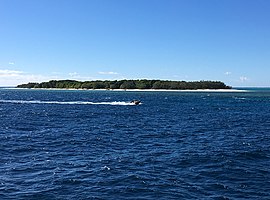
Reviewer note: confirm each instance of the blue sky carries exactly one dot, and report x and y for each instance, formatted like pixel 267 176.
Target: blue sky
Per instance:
pixel 226 40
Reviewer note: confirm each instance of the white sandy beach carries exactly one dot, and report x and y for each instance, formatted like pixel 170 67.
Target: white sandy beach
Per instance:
pixel 164 90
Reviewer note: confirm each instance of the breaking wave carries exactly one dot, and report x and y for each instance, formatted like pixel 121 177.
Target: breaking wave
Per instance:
pixel 114 103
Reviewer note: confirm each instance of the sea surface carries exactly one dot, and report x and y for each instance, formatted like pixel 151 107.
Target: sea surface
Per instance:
pixel 63 144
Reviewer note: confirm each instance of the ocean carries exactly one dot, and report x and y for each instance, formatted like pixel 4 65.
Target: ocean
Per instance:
pixel 74 144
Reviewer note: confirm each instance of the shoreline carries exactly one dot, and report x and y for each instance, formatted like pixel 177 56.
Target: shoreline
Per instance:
pixel 136 90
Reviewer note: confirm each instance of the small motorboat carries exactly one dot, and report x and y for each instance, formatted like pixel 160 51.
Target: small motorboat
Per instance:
pixel 136 102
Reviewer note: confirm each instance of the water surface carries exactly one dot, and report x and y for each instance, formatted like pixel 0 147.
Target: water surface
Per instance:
pixel 96 145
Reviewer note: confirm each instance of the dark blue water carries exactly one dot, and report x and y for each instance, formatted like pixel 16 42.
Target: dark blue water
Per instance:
pixel 94 145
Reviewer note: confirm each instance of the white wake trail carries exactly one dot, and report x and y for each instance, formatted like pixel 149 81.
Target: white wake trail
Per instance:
pixel 113 103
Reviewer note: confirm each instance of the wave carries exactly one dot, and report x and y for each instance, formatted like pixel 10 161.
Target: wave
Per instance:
pixel 240 98
pixel 114 103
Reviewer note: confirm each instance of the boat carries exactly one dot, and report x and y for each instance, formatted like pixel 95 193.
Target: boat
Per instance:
pixel 136 102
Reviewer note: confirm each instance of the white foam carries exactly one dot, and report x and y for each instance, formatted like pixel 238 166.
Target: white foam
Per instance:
pixel 114 103
pixel 241 98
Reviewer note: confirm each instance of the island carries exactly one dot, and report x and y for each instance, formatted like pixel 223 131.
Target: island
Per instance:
pixel 128 84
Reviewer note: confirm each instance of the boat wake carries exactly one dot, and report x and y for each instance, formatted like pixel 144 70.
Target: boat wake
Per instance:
pixel 113 103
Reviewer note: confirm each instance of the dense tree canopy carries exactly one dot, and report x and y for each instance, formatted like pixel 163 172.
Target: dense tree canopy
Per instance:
pixel 128 84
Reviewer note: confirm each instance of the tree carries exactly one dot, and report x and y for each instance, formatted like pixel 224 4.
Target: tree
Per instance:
pixel 128 85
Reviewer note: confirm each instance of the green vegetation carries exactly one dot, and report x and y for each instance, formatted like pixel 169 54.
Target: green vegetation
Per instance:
pixel 128 84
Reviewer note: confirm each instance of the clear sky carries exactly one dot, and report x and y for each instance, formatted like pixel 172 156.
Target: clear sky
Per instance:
pixel 226 40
